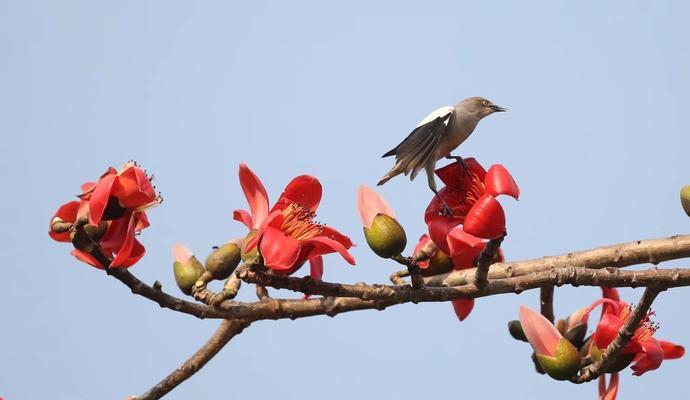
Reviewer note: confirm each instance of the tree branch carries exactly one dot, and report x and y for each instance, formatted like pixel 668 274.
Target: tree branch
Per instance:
pixel 621 255
pixel 626 333
pixel 226 331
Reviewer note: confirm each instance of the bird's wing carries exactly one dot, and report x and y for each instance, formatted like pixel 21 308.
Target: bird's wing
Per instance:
pixel 413 152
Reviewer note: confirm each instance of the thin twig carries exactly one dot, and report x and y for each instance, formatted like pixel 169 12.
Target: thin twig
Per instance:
pixel 626 333
pixel 412 268
pixel 486 258
pixel 226 331
pixel 546 302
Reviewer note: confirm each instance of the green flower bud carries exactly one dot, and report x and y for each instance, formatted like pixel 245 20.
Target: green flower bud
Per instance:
pixel 386 236
pixel 564 364
pixel 223 260
pixel 685 199
pixel 515 329
pixel 186 267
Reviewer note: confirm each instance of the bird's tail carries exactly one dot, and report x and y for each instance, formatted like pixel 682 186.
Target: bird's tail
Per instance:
pixel 391 174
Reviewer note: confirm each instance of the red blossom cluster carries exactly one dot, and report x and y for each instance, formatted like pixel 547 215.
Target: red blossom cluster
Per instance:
pixel 112 212
pixel 559 351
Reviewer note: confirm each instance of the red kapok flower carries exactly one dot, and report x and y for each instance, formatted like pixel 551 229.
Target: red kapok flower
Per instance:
pixel 646 352
pixel 122 196
pixel 471 195
pixel 288 236
pixel 115 192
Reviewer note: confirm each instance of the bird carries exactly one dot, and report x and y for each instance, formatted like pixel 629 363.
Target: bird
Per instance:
pixel 436 136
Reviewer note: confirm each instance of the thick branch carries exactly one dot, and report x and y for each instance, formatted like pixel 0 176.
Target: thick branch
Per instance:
pixel 226 331
pixel 622 255
pixel 626 333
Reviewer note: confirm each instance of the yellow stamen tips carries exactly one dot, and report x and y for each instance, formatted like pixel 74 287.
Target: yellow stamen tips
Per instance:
pixel 298 222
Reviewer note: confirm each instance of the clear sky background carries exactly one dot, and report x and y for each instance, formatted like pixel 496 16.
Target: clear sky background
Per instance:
pixel 596 136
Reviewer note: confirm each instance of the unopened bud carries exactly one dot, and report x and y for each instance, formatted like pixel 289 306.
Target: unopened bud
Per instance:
pixel 564 363
pixel 186 267
pixel 685 199
pixel 223 260
pixel 515 329
pixel 386 236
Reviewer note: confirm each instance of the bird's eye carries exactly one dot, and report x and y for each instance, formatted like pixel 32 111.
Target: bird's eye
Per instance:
pixel 485 102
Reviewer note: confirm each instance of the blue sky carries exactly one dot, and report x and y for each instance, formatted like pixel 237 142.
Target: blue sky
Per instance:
pixel 596 137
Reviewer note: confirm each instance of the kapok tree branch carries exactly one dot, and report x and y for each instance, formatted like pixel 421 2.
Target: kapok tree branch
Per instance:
pixel 626 333
pixel 225 332
pixel 621 255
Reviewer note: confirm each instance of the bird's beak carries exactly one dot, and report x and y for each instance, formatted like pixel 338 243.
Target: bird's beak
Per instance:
pixel 497 108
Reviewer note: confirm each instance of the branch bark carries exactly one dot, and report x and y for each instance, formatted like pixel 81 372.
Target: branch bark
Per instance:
pixel 546 302
pixel 225 332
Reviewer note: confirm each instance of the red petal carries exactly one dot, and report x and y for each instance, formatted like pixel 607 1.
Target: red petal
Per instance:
pixel 464 248
pixel 133 188
pixel 124 253
pixel 244 217
pixel 320 245
pixel 671 350
pixel 463 308
pixel 611 392
pixel 486 218
pixel 370 204
pixel 275 218
pixel 99 199
pixel 332 233
pixel 451 173
pixel 316 268
pixel 137 252
pixel 423 240
pixel 255 193
pixel 304 190
pixel 68 213
pixel 142 221
pixel 649 358
pixel 607 330
pixel 278 250
pixel 86 258
pixel 439 227
pixel 499 181
pixel 540 332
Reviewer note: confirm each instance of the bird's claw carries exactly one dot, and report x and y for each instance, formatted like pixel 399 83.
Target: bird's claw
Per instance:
pixel 461 161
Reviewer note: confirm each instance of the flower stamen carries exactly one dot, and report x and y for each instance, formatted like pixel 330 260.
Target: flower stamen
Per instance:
pixel 298 222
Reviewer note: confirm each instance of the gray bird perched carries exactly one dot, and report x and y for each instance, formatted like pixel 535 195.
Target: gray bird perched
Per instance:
pixel 436 136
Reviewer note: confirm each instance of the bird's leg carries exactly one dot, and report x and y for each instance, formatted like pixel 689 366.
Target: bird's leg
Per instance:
pixel 432 185
pixel 446 209
pixel 460 161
